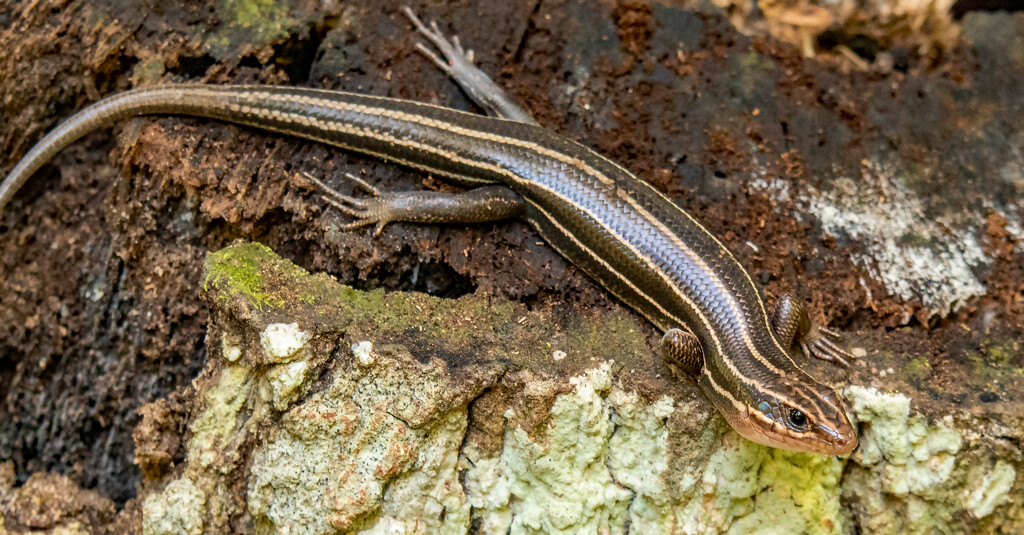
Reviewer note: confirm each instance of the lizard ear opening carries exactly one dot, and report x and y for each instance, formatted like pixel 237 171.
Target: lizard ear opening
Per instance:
pixel 681 349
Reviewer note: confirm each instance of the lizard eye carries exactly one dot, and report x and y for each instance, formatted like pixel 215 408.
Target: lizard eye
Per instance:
pixel 797 419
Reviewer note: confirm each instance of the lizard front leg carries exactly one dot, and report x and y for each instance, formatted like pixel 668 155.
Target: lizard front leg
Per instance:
pixel 793 325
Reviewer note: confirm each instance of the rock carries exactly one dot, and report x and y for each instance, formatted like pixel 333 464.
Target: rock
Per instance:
pixel 392 433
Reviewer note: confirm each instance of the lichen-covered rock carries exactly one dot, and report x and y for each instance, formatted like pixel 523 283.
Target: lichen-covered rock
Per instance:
pixel 915 476
pixel 388 428
pixel 346 458
pixel 367 441
pixel 179 509
pixel 558 480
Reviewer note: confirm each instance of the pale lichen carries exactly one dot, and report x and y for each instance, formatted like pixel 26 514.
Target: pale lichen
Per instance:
pixel 915 256
pixel 323 469
pixel 992 490
pixel 344 460
pixel 572 455
pixel 178 510
pixel 286 382
pixel 605 461
pixel 363 352
pixel 918 456
pixel 214 430
pixel 487 491
pixel 282 341
pixel 230 350
pixel 428 497
pixel 913 475
pixel 638 456
pixel 749 488
pixel 806 486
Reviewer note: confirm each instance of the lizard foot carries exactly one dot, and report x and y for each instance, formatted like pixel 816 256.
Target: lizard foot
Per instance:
pixel 825 344
pixel 365 211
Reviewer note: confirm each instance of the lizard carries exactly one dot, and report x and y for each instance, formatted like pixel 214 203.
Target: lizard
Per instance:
pixel 624 233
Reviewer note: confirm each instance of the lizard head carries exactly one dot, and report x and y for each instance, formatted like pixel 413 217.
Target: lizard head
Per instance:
pixel 806 416
pixel 799 415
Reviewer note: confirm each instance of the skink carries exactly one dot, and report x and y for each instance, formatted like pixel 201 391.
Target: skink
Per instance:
pixel 620 230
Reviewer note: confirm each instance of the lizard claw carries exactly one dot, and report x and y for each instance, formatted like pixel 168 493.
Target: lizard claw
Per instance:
pixel 362 209
pixel 451 50
pixel 826 344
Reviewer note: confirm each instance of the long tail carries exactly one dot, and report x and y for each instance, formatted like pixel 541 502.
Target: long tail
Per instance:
pixel 99 115
pixel 409 133
pixel 216 102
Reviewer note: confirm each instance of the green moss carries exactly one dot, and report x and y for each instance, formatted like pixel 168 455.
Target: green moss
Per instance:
pixel 236 270
pixel 918 369
pixel 753 60
pixel 1001 353
pixel 251 23
pixel 455 322
pixel 979 368
pixel 251 276
pixel 481 316
pixel 267 281
pixel 266 15
pixel 994 362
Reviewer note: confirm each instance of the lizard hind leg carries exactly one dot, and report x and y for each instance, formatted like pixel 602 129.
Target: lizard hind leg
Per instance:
pixel 479 205
pixel 457 63
pixel 793 325
pixel 682 350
